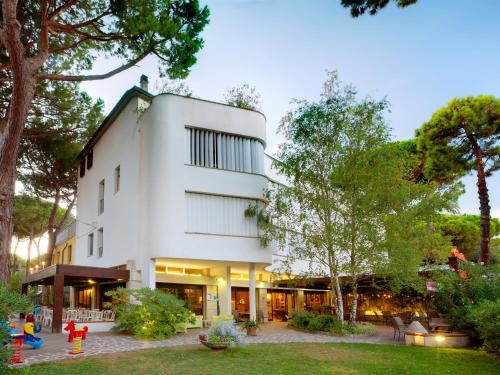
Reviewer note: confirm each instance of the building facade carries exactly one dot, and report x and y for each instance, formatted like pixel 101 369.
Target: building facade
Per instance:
pixel 162 191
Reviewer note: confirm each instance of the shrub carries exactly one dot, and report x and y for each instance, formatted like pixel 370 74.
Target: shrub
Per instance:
pixel 469 297
pixel 224 331
pixel 486 318
pixel 11 302
pixel 323 323
pixel 360 329
pixel 147 313
pixel 301 319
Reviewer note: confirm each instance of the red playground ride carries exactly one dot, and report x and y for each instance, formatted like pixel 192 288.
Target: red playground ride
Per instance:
pixel 76 336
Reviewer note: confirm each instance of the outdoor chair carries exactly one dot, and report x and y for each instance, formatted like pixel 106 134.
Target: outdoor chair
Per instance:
pixel 399 327
pixel 387 316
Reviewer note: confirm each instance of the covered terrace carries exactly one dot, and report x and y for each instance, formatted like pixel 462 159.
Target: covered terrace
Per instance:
pixel 61 275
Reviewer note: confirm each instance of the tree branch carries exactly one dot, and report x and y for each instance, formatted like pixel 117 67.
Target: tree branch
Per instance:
pixel 94 77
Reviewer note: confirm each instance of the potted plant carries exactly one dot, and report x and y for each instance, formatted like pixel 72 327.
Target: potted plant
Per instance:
pixel 251 326
pixel 222 335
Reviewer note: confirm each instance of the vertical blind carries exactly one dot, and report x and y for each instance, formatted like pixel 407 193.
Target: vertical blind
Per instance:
pixel 207 148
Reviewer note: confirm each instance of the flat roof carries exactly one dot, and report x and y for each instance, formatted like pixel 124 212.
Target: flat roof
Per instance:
pixel 74 275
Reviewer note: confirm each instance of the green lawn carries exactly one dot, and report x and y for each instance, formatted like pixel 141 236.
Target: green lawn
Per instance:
pixel 281 359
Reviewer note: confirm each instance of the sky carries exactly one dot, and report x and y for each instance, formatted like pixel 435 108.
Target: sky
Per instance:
pixel 419 58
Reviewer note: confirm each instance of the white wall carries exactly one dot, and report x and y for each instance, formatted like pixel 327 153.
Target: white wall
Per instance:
pixel 118 146
pixel 168 178
pixel 147 218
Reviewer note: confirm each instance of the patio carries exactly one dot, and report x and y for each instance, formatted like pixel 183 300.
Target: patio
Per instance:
pixel 61 275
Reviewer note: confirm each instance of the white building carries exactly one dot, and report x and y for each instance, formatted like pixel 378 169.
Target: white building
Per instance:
pixel 162 191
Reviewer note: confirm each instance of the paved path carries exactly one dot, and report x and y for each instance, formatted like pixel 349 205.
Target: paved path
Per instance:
pixel 56 346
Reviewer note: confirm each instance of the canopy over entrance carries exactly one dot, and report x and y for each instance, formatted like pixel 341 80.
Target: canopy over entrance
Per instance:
pixel 60 275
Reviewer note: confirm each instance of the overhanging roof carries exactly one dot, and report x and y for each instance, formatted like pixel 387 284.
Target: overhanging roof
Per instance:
pixel 74 275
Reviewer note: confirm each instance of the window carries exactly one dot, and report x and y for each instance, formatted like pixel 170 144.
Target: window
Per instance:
pixel 216 214
pixel 99 242
pixel 117 179
pixel 90 158
pixel 101 197
pixel 211 149
pixel 90 245
pixel 82 167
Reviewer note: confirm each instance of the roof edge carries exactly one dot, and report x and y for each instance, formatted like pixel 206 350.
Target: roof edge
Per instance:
pixel 124 100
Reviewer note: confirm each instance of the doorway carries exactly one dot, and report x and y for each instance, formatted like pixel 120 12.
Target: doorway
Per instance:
pixel 280 305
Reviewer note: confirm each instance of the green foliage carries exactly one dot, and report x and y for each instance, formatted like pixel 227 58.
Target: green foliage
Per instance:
pixel 465 232
pixel 223 331
pixel 243 96
pixel 324 323
pixel 468 298
pixel 329 323
pixel 11 302
pixel 351 205
pixel 31 216
pixel 301 319
pixel 360 7
pixel 486 319
pixel 361 329
pixel 250 324
pixel 147 313
pixel 447 137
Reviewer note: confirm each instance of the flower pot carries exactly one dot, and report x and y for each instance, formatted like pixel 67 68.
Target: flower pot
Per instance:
pixel 217 345
pixel 252 331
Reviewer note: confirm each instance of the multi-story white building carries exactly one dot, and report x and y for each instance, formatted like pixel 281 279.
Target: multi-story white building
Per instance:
pixel 162 190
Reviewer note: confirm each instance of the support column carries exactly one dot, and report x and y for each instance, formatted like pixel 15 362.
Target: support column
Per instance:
pixel 251 288
pixel 58 303
pixel 229 306
pixel 148 274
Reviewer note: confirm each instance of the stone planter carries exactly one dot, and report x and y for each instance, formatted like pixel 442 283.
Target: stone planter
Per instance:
pixel 217 345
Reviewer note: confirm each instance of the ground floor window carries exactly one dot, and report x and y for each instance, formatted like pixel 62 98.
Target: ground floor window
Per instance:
pixel 280 305
pixel 192 295
pixel 240 301
pixel 314 300
pixel 84 298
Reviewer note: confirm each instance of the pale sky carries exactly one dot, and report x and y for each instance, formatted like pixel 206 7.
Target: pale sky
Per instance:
pixel 419 58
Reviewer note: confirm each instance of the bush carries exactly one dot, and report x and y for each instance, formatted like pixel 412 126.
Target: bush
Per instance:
pixel 147 313
pixel 323 323
pixel 486 318
pixel 469 298
pixel 360 329
pixel 301 319
pixel 11 302
pixel 224 331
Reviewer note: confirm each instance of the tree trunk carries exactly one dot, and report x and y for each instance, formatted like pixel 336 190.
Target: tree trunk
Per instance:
pixel 23 87
pixel 337 295
pixel 354 299
pixel 14 257
pixel 484 202
pixel 38 252
pixel 28 258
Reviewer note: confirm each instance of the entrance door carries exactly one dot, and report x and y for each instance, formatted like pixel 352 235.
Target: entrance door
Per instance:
pixel 281 306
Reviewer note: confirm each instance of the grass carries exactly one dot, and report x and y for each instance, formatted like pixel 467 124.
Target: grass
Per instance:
pixel 279 359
